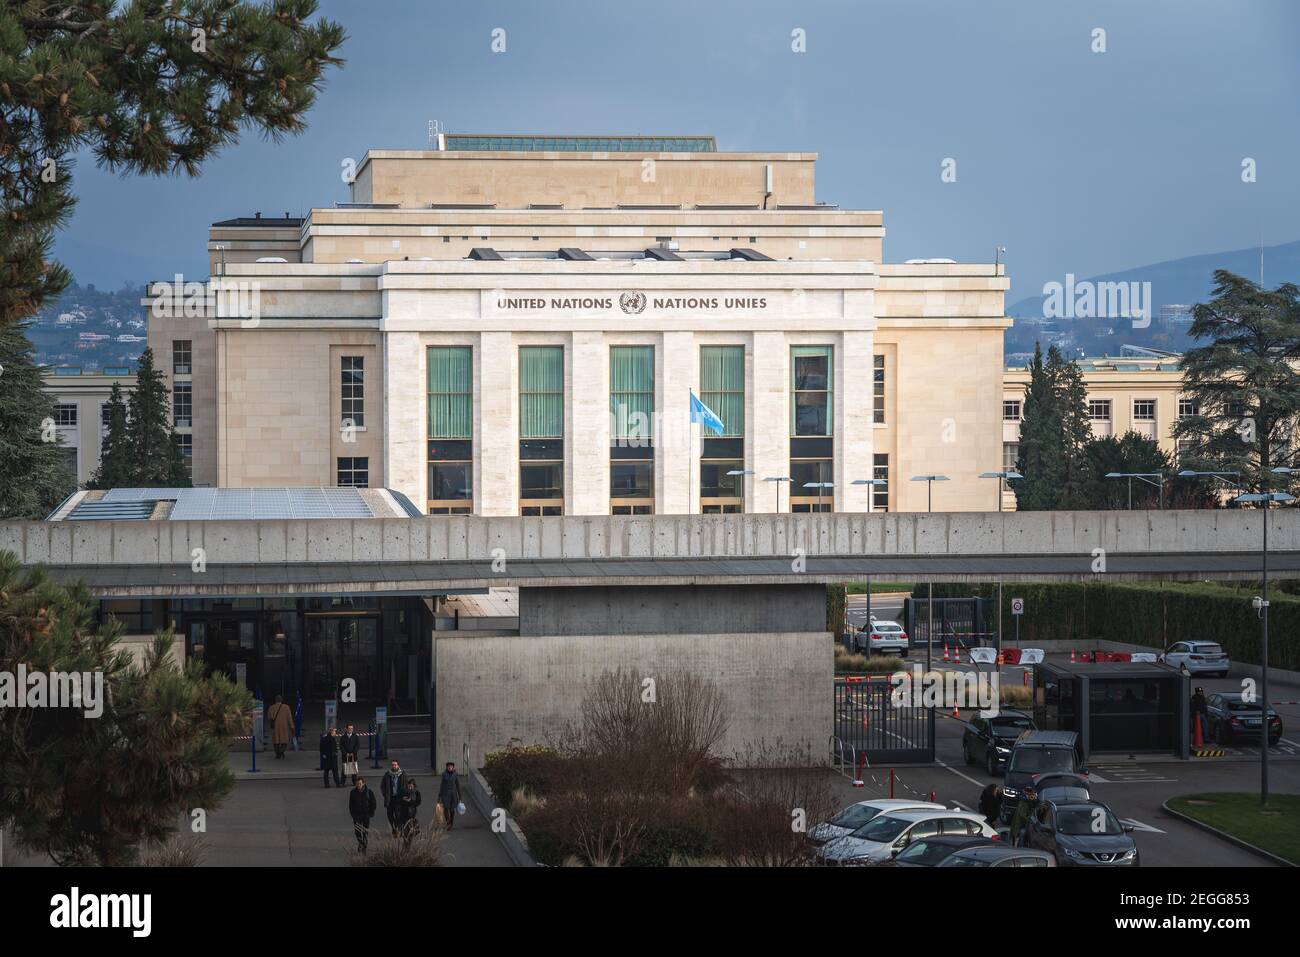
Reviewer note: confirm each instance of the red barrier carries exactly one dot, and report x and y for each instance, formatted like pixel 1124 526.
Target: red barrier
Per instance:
pixel 1011 655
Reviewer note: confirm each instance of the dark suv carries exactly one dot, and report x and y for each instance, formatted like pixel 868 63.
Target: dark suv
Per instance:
pixel 1035 754
pixel 1083 833
pixel 988 741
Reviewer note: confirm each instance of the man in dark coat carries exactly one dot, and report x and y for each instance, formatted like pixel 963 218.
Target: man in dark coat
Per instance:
pixel 349 745
pixel 391 788
pixel 991 803
pixel 408 803
pixel 361 805
pixel 449 793
pixel 1199 707
pixel 329 757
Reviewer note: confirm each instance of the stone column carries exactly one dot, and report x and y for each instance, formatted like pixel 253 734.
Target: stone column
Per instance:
pixel 406 428
pixel 496 425
pixel 677 369
pixel 767 421
pixel 586 425
pixel 854 436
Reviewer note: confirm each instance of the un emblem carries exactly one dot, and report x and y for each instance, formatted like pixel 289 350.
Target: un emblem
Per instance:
pixel 632 303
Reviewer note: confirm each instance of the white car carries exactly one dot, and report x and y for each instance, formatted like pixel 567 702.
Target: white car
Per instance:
pixel 885 638
pixel 884 835
pixel 1198 657
pixel 856 815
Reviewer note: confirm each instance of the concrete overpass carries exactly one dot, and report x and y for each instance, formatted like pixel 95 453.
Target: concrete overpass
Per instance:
pixel 434 555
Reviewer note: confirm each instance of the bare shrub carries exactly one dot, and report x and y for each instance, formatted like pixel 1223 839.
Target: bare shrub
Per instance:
pixel 423 849
pixel 179 850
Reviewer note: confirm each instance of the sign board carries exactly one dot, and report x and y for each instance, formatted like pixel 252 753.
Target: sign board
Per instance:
pixel 1031 656
pixel 1017 606
pixel 241 674
pixel 331 712
pixel 381 716
pixel 984 656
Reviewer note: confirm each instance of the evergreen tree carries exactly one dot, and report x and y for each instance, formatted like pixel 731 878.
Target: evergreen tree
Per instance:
pixel 1131 452
pixel 1076 430
pixel 1041 460
pixel 35 473
pixel 115 463
pixel 154 454
pixel 1245 381
pixel 91 789
pixel 149 87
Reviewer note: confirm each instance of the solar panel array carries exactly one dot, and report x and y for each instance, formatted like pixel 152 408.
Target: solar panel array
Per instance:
pixel 232 504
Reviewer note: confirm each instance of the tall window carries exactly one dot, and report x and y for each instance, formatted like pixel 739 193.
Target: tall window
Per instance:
pixel 722 389
pixel 541 430
pixel 811 455
pixel 631 415
pixel 451 430
pixel 1010 455
pixel 880 493
pixel 878 389
pixel 186 442
pixel 182 404
pixel 181 362
pixel 354 392
pixel 354 473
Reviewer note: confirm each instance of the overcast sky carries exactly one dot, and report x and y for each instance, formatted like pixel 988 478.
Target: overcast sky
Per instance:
pixel 1075 161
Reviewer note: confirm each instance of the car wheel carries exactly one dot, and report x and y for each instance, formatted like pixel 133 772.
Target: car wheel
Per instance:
pixel 991 765
pixel 965 753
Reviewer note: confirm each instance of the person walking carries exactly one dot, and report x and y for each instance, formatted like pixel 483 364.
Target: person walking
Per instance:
pixel 349 746
pixel 991 803
pixel 329 757
pixel 449 794
pixel 391 788
pixel 361 805
pixel 408 806
pixel 281 718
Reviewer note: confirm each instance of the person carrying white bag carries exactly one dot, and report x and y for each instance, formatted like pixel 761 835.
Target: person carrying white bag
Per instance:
pixel 449 795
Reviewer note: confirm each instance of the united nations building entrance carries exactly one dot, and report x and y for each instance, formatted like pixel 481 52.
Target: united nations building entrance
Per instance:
pixel 341 646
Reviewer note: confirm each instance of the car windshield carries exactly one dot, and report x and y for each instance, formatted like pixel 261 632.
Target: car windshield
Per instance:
pixel 1006 726
pixel 883 829
pixel 855 816
pixel 925 852
pixel 1034 760
pixel 958 860
pixel 1086 820
pixel 1239 705
pixel 882 627
pixel 1063 794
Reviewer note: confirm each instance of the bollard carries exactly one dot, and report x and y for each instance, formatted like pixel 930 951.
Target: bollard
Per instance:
pixel 891 782
pixel 252 743
pixel 374 742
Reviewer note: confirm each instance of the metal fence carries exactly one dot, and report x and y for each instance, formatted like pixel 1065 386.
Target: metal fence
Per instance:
pixel 870 727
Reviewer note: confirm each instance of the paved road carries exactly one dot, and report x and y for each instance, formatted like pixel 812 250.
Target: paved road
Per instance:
pixel 1133 788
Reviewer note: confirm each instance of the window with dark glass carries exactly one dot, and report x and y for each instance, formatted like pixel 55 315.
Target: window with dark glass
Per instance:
pixel 880 493
pixel 65 413
pixel 182 408
pixel 722 389
pixel 181 359
pixel 354 473
pixel 631 415
pixel 811 447
pixel 878 389
pixel 451 430
pixel 541 430
pixel 353 391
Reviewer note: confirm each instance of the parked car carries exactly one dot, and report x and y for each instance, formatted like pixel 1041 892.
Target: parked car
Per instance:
pixel 878 839
pixel 855 815
pixel 998 855
pixel 883 638
pixel 1060 787
pixel 1035 754
pixel 931 851
pixel 1083 833
pixel 988 741
pixel 1229 717
pixel 1199 657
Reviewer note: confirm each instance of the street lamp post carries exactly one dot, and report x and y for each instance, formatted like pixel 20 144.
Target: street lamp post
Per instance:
pixel 1151 478
pixel 929 481
pixel 819 486
pixel 1002 478
pixel 1264 499
pixel 872 482
pixel 741 473
pixel 778 479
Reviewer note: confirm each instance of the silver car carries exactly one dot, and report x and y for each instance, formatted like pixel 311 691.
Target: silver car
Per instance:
pixel 1198 657
pixel 856 815
pixel 886 834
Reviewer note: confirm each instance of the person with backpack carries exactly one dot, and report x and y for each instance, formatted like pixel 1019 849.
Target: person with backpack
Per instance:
pixel 361 805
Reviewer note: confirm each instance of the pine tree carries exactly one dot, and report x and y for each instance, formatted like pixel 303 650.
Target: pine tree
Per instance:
pixel 1131 452
pixel 150 88
pixel 1076 429
pixel 94 789
pixel 154 454
pixel 1041 460
pixel 115 463
pixel 35 473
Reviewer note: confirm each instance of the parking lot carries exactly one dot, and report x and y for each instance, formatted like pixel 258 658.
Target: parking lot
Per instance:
pixel 1134 786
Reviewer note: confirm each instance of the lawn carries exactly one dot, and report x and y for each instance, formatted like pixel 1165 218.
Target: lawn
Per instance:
pixel 1275 828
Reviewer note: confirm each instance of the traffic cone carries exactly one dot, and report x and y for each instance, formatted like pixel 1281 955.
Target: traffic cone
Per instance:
pixel 945 651
pixel 955 712
pixel 1001 660
pixel 1073 659
pixel 1198 740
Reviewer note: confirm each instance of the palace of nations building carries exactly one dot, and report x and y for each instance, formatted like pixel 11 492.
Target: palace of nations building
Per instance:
pixel 514 325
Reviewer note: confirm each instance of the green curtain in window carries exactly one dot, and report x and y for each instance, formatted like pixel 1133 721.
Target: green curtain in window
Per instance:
pixel 541 392
pixel 451 403
pixel 631 391
pixel 722 385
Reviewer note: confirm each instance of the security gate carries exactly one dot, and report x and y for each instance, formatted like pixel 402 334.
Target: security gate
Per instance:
pixel 959 622
pixel 870 727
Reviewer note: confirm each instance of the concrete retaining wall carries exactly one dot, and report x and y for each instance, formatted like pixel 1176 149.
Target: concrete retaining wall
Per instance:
pixel 491 689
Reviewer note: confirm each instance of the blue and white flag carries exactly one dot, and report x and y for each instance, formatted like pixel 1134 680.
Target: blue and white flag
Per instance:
pixel 702 413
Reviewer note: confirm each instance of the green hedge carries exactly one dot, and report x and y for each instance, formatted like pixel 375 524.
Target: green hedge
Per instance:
pixel 1154 615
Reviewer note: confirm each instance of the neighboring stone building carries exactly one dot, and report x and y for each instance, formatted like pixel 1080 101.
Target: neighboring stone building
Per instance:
pixel 514 325
pixel 81 411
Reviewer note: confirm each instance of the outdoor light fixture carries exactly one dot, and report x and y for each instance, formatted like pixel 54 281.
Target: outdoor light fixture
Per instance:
pixel 1002 477
pixel 929 481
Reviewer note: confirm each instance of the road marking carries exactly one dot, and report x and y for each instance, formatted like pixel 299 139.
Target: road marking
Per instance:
pixel 1139 826
pixel 978 784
